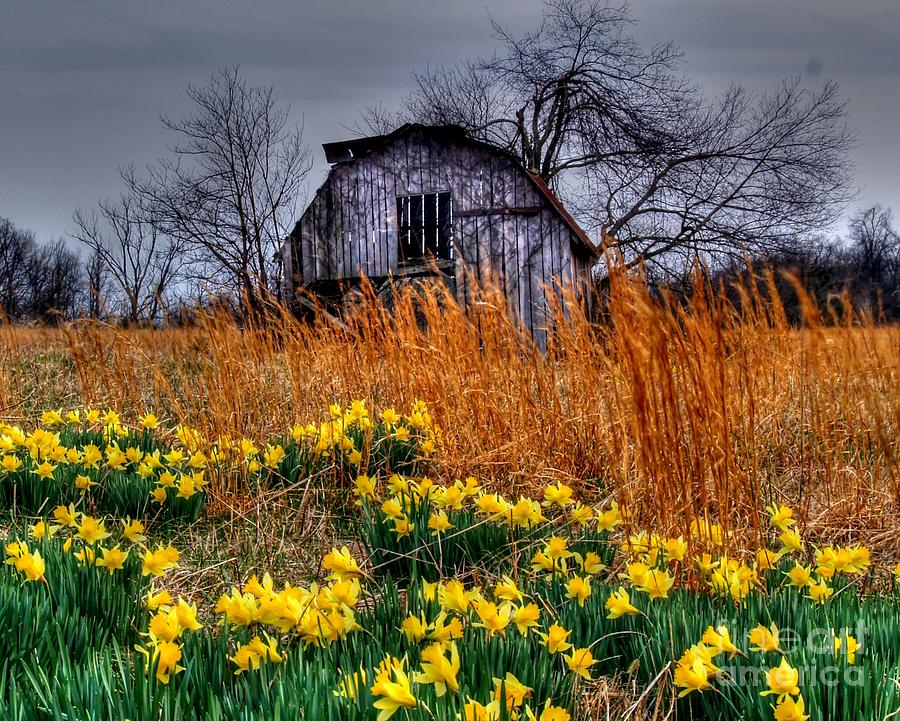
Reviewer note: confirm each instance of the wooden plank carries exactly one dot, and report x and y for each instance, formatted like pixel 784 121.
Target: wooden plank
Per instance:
pixel 517 251
pixel 522 210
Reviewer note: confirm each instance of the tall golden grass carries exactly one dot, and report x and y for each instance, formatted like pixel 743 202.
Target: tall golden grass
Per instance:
pixel 684 410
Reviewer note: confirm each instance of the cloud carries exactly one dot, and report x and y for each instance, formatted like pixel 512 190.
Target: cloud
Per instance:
pixel 83 81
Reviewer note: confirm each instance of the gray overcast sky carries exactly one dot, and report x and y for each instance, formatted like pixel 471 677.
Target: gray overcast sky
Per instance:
pixel 82 82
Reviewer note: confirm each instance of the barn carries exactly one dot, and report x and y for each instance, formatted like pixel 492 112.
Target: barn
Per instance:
pixel 432 200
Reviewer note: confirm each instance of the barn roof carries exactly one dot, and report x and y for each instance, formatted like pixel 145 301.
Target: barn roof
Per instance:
pixel 349 150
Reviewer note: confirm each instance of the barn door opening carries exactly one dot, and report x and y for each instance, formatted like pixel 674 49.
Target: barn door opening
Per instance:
pixel 424 224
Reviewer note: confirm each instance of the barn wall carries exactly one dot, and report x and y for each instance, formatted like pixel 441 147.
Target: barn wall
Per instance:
pixel 350 228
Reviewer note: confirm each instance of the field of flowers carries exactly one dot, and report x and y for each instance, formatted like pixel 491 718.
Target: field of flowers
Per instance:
pixel 442 599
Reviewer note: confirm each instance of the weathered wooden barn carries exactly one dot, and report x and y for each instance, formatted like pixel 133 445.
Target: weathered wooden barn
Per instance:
pixel 430 199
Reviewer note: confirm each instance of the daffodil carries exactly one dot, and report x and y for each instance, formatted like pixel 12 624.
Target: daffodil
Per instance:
pixel 392 689
pixel 549 713
pixel 525 617
pixel 782 681
pixel 414 628
pixel 764 640
pixel 619 604
pixel 158 600
pixel 133 531
pixel 820 592
pixel 557 495
pixel 578 588
pixel 800 576
pixel 156 563
pixel 90 530
pixel 453 596
pixel 781 517
pixel 515 692
pixel 341 564
pixel 608 520
pixel 580 662
pixel 556 639
pixel 439 523
pixel 492 618
pixel 657 583
pixel 852 646
pixel 507 590
pixel 790 709
pixel 112 559
pixel 719 639
pixel 439 669
pixel 693 676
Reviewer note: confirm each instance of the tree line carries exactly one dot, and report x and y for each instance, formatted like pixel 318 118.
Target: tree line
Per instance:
pixel 52 282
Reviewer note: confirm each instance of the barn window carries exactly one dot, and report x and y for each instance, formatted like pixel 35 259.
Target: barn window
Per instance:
pixel 424 224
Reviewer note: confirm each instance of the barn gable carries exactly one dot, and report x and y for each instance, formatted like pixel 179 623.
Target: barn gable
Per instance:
pixel 391 202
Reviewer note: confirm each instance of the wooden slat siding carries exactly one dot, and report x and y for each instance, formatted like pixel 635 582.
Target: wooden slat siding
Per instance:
pixel 460 246
pixel 327 221
pixel 470 184
pixel 492 230
pixel 348 230
pixel 397 168
pixel 324 224
pixel 533 244
pixel 305 241
pixel 381 220
pixel 322 260
pixel 287 266
pixel 553 255
pixel 516 261
pixel 547 270
pixel 536 279
pixel 334 249
pixel 460 240
pixel 524 244
pixel 366 226
pixel 418 166
pixel 488 268
pixel 583 280
pixel 543 267
pixel 374 223
pixel 357 240
pixel 314 241
pixel 384 169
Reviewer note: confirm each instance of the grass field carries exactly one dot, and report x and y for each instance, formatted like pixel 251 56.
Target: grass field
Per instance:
pixel 442 510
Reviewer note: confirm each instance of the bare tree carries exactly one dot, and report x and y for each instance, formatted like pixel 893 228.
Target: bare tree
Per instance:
pixel 54 282
pixel 38 281
pixel 97 282
pixel 16 249
pixel 228 193
pixel 874 253
pixel 141 262
pixel 631 145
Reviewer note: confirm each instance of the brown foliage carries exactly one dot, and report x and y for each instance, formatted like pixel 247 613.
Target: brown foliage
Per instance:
pixel 683 410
